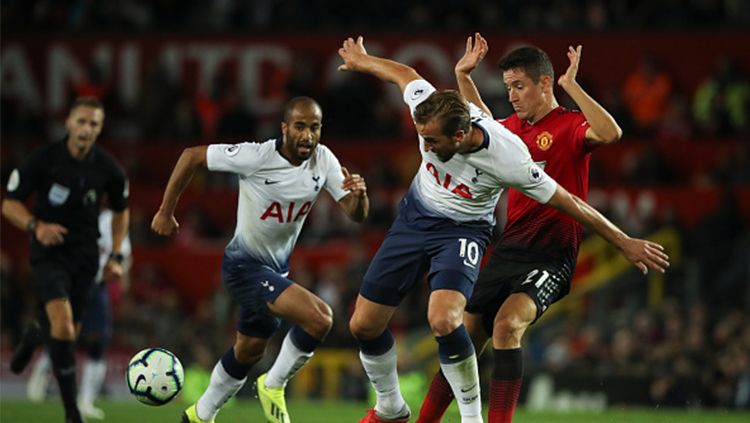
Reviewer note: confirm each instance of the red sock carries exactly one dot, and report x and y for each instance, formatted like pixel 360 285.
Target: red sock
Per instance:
pixel 438 398
pixel 505 385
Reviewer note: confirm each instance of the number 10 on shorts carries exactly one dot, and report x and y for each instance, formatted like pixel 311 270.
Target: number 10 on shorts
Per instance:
pixel 469 251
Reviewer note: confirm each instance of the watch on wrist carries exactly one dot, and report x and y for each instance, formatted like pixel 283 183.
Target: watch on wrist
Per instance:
pixel 31 225
pixel 117 257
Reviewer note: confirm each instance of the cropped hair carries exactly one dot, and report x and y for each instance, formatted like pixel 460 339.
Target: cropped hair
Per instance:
pixel 87 102
pixel 532 60
pixel 449 108
pixel 291 104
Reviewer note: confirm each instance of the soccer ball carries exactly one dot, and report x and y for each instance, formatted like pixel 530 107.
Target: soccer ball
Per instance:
pixel 155 376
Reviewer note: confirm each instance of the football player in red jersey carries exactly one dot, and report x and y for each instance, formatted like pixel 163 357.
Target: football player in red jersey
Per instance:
pixel 533 261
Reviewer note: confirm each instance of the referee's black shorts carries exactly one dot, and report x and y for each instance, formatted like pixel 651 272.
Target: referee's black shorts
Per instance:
pixel 545 282
pixel 68 276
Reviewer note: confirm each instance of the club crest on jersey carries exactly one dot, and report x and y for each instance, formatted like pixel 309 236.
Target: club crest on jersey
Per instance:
pixel 317 182
pixel 544 141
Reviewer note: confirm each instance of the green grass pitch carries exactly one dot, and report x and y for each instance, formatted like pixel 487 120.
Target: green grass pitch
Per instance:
pixel 341 412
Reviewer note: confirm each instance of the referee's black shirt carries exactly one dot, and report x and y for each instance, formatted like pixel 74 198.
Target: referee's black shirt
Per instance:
pixel 69 191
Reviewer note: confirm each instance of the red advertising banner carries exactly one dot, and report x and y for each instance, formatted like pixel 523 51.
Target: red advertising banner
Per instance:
pixel 39 72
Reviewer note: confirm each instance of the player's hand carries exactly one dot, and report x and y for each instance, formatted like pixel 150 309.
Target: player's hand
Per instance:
pixel 353 183
pixel 50 234
pixel 112 271
pixel 476 49
pixel 574 55
pixel 645 255
pixel 353 53
pixel 164 224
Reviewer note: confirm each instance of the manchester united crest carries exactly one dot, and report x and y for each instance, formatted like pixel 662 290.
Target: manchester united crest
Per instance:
pixel 544 141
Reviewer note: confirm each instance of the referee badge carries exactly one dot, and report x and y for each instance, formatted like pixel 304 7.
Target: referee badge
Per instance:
pixel 544 141
pixel 58 194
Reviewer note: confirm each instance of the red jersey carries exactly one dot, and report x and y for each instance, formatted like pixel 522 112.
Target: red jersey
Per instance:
pixel 536 231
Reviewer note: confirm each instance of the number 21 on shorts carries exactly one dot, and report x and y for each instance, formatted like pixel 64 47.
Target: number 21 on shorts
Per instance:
pixel 469 251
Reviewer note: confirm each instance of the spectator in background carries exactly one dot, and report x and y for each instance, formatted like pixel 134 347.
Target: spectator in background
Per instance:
pixel 721 105
pixel 646 92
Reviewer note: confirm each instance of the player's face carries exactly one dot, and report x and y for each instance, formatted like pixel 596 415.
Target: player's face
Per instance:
pixel 302 131
pixel 441 145
pixel 84 124
pixel 527 98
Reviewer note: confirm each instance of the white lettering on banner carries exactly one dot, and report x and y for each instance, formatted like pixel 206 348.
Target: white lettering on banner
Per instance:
pixel 128 65
pixel 210 57
pixel 62 70
pixel 17 78
pixel 129 80
pixel 251 59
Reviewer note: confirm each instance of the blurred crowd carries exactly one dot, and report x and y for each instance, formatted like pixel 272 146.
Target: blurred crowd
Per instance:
pixel 384 15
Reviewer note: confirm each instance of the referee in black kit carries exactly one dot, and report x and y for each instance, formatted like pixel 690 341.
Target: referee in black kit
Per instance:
pixel 70 178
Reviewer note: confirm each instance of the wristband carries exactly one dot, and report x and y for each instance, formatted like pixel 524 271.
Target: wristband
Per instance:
pixel 117 257
pixel 31 225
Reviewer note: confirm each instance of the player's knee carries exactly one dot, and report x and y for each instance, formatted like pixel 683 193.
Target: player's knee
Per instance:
pixel 63 330
pixel 360 329
pixel 320 324
pixel 508 330
pixel 443 325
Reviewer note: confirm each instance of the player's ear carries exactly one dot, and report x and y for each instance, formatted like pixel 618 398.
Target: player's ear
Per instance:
pixel 283 127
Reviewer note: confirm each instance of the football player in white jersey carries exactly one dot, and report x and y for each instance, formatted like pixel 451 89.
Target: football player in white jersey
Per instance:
pixel 279 181
pixel 443 228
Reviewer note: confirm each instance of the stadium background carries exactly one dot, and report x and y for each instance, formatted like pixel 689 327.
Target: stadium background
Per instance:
pixel 174 74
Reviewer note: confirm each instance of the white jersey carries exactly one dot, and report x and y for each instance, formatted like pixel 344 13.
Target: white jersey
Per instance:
pixel 105 243
pixel 275 196
pixel 467 187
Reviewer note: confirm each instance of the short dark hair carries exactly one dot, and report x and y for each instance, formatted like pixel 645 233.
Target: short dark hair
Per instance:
pixel 88 102
pixel 533 60
pixel 449 108
pixel 291 104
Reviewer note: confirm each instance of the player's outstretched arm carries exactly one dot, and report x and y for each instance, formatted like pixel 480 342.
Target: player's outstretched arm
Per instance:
pixel 356 204
pixel 356 59
pixel 164 222
pixel 642 253
pixel 476 49
pixel 604 129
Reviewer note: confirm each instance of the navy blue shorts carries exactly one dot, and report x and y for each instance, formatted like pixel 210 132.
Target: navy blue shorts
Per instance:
pixel 450 253
pixel 252 284
pixel 97 322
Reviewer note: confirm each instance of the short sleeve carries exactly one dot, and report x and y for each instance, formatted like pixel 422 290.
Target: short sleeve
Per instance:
pixel 532 181
pixel 118 188
pixel 243 158
pixel 334 175
pixel 416 92
pixel 23 180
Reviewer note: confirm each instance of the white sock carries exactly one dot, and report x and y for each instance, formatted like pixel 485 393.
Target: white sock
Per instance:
pixel 220 389
pixel 463 377
pixel 36 387
pixel 288 362
pixel 91 380
pixel 383 374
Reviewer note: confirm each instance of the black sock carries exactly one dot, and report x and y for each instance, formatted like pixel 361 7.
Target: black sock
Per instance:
pixel 62 355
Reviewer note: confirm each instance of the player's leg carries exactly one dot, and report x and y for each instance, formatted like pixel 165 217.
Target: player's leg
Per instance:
pixel 458 361
pixel 536 288
pixel 398 264
pixel 95 335
pixel 377 352
pixel 456 253
pixel 312 319
pixel 36 387
pixel 227 378
pixel 440 395
pixel 252 286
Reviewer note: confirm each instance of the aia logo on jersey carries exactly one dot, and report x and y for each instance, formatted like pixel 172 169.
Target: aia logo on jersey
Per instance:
pixel 544 141
pixel 276 211
pixel 459 189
